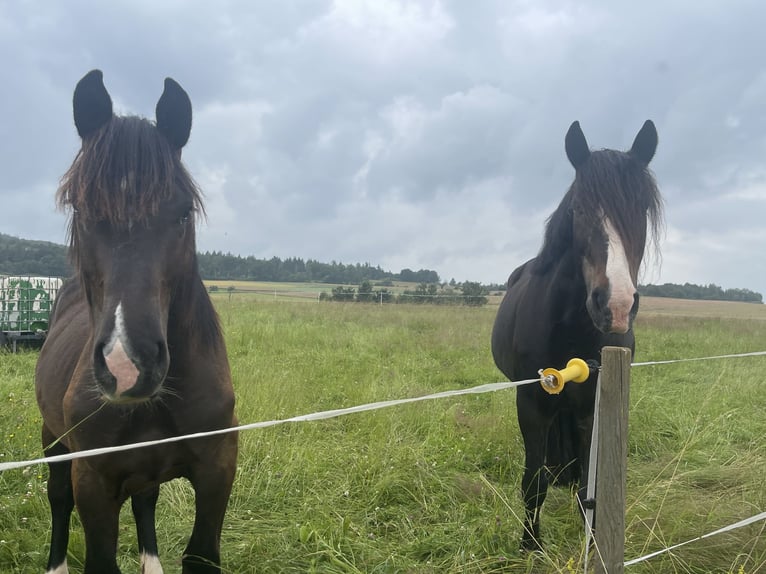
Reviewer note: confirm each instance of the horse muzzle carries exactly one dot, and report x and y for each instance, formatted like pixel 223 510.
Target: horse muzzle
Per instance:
pixel 611 314
pixel 126 375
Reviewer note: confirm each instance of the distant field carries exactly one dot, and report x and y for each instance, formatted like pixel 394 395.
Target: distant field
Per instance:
pixel 708 309
pixel 649 305
pixel 286 290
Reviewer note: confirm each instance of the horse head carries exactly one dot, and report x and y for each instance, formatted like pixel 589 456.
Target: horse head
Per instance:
pixel 610 202
pixel 131 233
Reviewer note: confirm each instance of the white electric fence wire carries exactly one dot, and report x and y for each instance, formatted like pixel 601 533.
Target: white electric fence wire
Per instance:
pixel 324 415
pixel 490 387
pixel 590 492
pixel 670 361
pixel 740 524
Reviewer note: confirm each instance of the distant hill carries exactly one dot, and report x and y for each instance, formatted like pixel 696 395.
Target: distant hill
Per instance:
pixel 27 257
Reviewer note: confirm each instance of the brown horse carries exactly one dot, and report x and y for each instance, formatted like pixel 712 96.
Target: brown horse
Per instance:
pixel 577 296
pixel 135 351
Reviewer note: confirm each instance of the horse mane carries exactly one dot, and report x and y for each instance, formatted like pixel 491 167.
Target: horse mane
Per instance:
pixel 123 173
pixel 610 184
pixel 204 321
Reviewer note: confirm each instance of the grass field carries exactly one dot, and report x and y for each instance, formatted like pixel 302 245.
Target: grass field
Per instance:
pixel 433 487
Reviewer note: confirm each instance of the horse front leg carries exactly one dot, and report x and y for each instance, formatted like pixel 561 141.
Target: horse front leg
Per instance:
pixel 212 480
pixel 144 505
pixel 534 489
pixel 534 483
pixel 99 511
pixel 61 501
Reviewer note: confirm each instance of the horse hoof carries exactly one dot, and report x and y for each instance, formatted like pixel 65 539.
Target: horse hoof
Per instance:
pixel 530 544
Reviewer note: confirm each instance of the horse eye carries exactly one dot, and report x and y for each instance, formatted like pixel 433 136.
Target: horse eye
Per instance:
pixel 184 219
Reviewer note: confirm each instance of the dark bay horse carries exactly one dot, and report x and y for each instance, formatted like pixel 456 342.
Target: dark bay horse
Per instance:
pixel 135 351
pixel 577 296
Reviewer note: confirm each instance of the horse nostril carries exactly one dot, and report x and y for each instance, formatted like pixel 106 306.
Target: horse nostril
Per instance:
pixel 599 298
pixel 99 360
pixel 162 354
pixel 634 308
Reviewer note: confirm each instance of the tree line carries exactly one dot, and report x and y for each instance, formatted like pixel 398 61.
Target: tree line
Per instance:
pixel 29 257
pixel 709 292
pixel 217 265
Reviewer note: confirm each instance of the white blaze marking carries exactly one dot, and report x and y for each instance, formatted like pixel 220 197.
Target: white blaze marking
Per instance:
pixel 621 287
pixel 116 355
pixel 150 564
pixel 60 569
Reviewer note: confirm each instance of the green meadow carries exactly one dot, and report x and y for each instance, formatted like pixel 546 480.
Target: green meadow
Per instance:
pixel 433 487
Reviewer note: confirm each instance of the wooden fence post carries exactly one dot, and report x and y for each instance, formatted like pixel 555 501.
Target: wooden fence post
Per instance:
pixel 612 461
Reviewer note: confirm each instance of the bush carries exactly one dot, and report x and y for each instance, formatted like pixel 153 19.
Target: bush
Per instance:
pixel 341 293
pixel 475 294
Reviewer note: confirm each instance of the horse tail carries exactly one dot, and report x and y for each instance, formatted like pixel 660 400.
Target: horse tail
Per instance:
pixel 561 459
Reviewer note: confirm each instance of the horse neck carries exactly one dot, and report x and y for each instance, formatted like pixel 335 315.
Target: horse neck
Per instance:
pixel 192 319
pixel 568 294
pixel 566 277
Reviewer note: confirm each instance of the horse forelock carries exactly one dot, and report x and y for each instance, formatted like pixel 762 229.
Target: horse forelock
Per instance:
pixel 617 186
pixel 123 175
pixel 610 185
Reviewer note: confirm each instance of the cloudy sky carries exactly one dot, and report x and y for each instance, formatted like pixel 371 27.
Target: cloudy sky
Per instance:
pixel 405 133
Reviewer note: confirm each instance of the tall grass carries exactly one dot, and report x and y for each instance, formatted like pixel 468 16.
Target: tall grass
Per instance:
pixel 432 486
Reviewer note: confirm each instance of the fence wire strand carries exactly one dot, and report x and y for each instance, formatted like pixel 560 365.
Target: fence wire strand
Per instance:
pixel 490 387
pixel 740 524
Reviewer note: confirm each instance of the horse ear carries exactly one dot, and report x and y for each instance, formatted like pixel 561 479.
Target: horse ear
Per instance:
pixel 576 146
pixel 92 104
pixel 645 143
pixel 174 114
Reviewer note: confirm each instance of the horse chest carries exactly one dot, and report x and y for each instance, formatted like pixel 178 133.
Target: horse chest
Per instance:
pixel 132 472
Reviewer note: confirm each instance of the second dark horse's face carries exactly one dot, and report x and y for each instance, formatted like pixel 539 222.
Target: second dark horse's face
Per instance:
pixel 609 211
pixel 610 278
pixel 132 235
